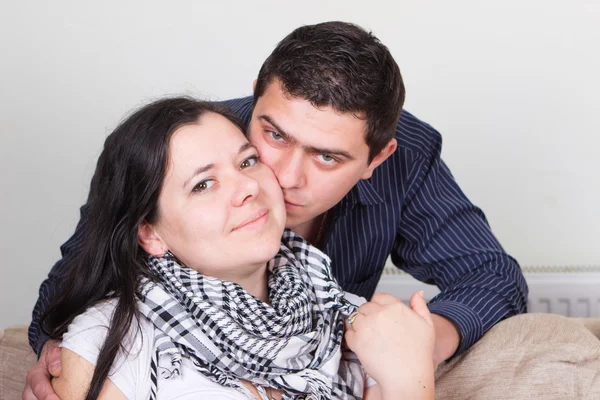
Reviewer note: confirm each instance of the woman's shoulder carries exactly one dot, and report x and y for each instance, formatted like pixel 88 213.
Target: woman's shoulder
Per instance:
pixel 99 314
pixel 94 324
pixel 88 332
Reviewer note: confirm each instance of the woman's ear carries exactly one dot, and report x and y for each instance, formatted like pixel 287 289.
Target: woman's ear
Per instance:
pixel 151 241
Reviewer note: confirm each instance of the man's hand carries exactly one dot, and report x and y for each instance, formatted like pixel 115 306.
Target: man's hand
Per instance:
pixel 447 339
pixel 38 385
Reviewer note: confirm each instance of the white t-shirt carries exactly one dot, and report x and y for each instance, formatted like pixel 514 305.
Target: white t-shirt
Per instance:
pixel 131 372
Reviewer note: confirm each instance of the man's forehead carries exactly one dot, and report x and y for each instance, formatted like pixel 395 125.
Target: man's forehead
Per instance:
pixel 310 125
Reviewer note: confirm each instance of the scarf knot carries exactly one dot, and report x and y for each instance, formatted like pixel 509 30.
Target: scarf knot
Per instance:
pixel 292 344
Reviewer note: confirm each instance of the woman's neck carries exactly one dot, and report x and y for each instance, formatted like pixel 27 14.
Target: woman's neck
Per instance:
pixel 254 282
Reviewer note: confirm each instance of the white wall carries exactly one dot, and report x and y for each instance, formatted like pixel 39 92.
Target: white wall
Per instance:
pixel 512 86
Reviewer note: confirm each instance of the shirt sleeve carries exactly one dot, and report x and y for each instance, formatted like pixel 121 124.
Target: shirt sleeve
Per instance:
pixel 443 239
pixel 130 371
pixel 50 287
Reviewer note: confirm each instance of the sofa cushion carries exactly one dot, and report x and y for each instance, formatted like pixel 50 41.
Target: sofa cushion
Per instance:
pixel 529 356
pixel 593 324
pixel 16 357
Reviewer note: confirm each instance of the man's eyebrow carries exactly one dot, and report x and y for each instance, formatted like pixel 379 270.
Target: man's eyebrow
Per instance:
pixel 310 149
pixel 280 131
pixel 207 167
pixel 331 152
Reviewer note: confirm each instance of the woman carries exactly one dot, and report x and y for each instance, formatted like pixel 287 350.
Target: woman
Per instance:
pixel 184 285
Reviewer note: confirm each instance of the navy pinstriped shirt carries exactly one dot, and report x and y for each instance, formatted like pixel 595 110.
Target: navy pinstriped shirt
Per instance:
pixel 412 209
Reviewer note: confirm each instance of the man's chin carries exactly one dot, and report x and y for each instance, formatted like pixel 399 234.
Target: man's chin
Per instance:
pixel 293 222
pixel 296 222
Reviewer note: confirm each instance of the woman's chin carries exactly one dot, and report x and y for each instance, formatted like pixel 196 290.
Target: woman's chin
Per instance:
pixel 266 250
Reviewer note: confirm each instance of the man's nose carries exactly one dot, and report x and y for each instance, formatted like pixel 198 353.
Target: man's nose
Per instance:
pixel 290 171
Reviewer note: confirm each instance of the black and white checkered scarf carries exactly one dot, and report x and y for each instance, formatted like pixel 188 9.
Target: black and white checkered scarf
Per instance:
pixel 292 344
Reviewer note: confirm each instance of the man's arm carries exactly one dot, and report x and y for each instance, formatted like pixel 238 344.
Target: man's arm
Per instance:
pixel 445 240
pixel 38 385
pixel 447 339
pixel 49 288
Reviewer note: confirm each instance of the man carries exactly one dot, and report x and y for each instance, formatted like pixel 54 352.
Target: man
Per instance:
pixel 361 180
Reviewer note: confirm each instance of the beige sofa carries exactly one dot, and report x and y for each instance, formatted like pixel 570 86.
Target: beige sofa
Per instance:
pixel 15 359
pixel 530 356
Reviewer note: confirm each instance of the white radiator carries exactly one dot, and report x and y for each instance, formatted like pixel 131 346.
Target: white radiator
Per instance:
pixel 572 291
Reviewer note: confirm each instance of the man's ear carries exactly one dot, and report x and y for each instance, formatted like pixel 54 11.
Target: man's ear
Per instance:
pixel 254 85
pixel 151 241
pixel 387 151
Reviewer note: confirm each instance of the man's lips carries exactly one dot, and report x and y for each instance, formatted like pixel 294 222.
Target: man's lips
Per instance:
pixel 256 217
pixel 291 203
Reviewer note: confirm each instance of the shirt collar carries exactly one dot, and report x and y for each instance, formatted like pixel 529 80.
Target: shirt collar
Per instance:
pixel 363 192
pixel 367 195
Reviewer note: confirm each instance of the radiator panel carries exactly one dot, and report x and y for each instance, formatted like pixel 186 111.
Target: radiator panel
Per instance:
pixel 569 291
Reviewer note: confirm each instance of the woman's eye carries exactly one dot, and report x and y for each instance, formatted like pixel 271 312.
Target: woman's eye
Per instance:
pixel 203 186
pixel 275 136
pixel 326 159
pixel 248 162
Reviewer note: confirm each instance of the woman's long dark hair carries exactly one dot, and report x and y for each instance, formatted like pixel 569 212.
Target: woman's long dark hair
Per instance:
pixel 124 192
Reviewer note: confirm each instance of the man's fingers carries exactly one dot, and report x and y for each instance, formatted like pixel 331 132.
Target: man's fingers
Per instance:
pixel 418 305
pixel 53 361
pixel 39 380
pixel 38 385
pixel 28 394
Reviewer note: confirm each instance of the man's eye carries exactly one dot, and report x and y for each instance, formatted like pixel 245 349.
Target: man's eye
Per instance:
pixel 326 159
pixel 249 162
pixel 275 136
pixel 203 186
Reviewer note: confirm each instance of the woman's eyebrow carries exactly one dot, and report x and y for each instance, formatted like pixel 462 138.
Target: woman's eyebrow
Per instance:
pixel 247 146
pixel 207 167
pixel 198 171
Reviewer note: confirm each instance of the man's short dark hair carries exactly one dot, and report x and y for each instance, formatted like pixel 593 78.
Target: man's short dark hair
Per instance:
pixel 341 65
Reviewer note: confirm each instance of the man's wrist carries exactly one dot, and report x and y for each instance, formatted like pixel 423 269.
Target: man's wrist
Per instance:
pixel 447 339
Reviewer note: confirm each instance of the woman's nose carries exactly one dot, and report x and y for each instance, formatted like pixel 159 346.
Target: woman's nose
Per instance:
pixel 246 189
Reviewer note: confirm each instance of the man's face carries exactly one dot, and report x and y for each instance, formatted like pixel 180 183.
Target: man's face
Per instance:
pixel 317 154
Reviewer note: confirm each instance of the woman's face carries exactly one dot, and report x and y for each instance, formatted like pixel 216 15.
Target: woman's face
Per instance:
pixel 221 211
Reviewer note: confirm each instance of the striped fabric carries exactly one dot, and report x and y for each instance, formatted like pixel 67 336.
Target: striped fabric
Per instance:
pixel 412 209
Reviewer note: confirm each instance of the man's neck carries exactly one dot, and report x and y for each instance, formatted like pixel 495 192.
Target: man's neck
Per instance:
pixel 309 230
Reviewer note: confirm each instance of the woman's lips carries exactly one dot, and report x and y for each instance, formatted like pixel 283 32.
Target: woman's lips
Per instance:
pixel 255 220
